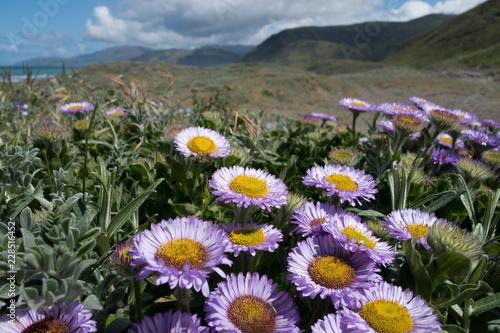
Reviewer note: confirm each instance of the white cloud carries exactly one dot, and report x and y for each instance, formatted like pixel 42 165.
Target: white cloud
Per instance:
pixel 119 31
pixel 416 8
pixel 193 23
pixel 188 23
pixel 62 50
pixel 8 48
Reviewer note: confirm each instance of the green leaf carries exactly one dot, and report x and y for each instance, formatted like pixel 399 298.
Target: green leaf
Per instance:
pixel 28 239
pixel 485 304
pixel 467 201
pixel 431 197
pixel 453 329
pixel 468 291
pixel 122 217
pixel 366 213
pixel 115 297
pixel 97 142
pixel 118 325
pixel 26 218
pixel 449 266
pixel 443 200
pixel 21 205
pixel 93 303
pixel 139 172
pixel 424 284
pixel 477 273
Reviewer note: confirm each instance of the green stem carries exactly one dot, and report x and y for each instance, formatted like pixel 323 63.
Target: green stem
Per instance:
pixel 466 315
pixel 87 147
pixel 49 172
pixel 398 144
pixel 355 115
pixel 243 214
pixel 138 300
pixel 334 200
pixel 183 299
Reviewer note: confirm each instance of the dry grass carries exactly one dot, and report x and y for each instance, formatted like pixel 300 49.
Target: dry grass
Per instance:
pixel 293 92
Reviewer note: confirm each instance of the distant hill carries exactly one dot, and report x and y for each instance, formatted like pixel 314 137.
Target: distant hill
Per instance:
pixel 204 57
pixel 370 41
pixel 207 56
pixel 472 38
pixel 112 54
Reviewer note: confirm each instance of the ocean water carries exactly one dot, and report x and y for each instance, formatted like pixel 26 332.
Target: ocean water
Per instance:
pixel 41 73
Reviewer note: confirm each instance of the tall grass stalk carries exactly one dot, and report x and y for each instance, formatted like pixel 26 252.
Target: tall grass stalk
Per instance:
pixel 87 147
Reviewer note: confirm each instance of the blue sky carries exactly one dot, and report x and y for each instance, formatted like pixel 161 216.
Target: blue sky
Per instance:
pixel 67 28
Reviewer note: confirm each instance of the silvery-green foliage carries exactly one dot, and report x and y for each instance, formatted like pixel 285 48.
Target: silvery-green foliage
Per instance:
pixel 54 253
pixel 17 169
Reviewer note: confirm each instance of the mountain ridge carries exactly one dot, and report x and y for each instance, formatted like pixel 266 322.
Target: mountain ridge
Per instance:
pixel 469 39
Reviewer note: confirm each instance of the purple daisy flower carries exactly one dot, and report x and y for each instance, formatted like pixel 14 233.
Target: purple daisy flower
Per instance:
pixel 172 322
pixel 183 252
pixel 355 104
pixel 310 119
pixel 311 217
pixel 442 157
pixel 251 237
pixel 415 135
pixel 407 223
pixel 22 107
pixel 196 141
pixel 388 308
pixel 444 139
pixel 387 125
pixel 356 237
pixel 78 107
pixel 251 304
pixel 425 104
pixel 444 119
pixel 478 137
pixel 466 118
pixel 393 109
pixel 348 183
pixel 320 265
pixel 248 186
pixel 331 323
pixel 120 260
pixel 325 116
pixel 408 122
pixel 117 112
pixel 72 318
pixel 491 124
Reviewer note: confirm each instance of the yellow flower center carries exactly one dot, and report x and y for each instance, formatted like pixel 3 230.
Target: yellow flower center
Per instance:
pixel 179 251
pixel 360 236
pixel 250 236
pixel 331 272
pixel 249 185
pixel 343 155
pixel 81 124
pixel 387 316
pixel 358 104
pixel 417 230
pixel 75 107
pixel 407 120
pixel 342 182
pixel 123 255
pixel 202 145
pixel 446 140
pixel 317 221
pixel 47 326
pixel 252 315
pixel 117 113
